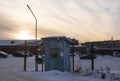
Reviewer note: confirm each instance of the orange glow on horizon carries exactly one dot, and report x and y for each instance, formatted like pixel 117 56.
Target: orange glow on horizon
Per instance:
pixel 23 35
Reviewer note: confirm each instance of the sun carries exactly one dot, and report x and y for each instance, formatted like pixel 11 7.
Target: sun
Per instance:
pixel 24 35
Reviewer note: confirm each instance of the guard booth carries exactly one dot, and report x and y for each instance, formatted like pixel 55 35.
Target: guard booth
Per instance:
pixel 57 53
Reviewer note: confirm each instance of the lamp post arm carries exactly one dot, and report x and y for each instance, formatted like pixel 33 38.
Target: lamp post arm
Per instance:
pixel 31 12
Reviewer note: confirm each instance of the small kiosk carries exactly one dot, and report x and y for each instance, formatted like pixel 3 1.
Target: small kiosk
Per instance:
pixel 57 53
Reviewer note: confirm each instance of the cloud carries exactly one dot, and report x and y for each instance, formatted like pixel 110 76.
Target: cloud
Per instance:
pixel 49 32
pixel 82 19
pixel 7 27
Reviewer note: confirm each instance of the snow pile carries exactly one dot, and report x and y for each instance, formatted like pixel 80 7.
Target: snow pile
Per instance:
pixel 60 76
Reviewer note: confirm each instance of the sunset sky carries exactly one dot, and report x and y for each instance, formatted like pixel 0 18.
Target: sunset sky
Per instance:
pixel 85 20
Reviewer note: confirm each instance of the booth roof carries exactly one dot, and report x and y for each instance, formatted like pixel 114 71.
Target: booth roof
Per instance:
pixel 59 38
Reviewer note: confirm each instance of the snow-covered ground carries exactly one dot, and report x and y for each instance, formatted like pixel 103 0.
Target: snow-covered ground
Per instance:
pixel 11 69
pixel 102 63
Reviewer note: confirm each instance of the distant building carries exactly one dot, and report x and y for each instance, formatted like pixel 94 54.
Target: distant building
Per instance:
pixel 11 46
pixel 105 47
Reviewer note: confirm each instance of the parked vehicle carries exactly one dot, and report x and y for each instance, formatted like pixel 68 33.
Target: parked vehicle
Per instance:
pixel 40 60
pixel 19 54
pixel 3 54
pixel 117 55
pixel 29 53
pixel 22 54
pixel 86 56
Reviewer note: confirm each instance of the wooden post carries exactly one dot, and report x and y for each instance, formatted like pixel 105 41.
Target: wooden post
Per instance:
pixel 25 56
pixel 73 57
pixel 42 60
pixel 36 59
pixel 92 56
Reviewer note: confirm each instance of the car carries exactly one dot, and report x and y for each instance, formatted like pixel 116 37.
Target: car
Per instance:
pixel 17 54
pixel 86 56
pixel 29 53
pixel 3 54
pixel 117 55
pixel 20 54
pixel 40 60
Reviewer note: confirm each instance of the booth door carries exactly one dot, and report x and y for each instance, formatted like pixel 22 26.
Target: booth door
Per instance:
pixel 54 59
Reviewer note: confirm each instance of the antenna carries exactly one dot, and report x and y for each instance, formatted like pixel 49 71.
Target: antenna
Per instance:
pixel 111 38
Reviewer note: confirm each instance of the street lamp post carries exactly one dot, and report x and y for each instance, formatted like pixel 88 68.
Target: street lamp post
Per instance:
pixel 36 55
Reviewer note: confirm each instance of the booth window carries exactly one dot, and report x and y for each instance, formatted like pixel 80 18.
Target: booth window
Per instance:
pixel 54 54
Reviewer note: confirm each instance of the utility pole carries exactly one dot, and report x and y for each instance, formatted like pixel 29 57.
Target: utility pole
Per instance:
pixel 36 55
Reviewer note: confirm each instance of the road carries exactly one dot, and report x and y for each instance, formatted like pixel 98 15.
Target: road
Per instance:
pixel 11 70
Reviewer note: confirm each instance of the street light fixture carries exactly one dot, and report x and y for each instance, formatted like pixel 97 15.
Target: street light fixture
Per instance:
pixel 36 55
